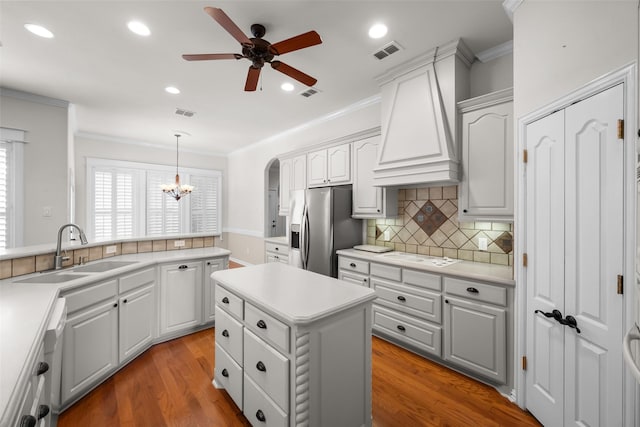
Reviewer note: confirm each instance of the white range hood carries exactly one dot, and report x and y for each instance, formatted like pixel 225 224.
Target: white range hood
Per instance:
pixel 419 118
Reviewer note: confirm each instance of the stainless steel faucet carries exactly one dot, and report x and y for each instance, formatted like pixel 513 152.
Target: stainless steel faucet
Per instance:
pixel 58 258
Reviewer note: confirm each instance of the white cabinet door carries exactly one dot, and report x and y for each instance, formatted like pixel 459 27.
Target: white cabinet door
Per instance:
pixel 286 172
pixel 137 315
pixel 299 172
pixel 475 337
pixel 90 348
pixel 210 287
pixel 180 296
pixel 317 168
pixel 486 189
pixel 339 164
pixel 370 201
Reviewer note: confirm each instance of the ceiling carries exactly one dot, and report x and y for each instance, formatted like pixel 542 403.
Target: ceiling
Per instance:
pixel 116 79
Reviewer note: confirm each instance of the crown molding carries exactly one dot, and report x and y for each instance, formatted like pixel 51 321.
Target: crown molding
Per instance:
pixel 26 96
pixel 487 55
pixel 510 7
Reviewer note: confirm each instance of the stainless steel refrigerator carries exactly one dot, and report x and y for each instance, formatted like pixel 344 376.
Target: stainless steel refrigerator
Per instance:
pixel 320 225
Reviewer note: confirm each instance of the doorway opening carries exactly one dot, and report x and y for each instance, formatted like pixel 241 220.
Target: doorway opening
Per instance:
pixel 274 224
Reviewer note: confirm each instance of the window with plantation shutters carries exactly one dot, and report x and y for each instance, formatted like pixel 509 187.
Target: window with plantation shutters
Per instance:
pixel 11 187
pixel 127 200
pixel 4 186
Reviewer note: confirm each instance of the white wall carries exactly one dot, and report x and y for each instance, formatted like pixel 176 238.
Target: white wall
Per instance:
pixel 88 146
pixel 561 45
pixel 45 161
pixel 490 76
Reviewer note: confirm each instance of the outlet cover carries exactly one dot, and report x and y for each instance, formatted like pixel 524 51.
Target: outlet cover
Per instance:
pixel 111 249
pixel 482 243
pixel 178 243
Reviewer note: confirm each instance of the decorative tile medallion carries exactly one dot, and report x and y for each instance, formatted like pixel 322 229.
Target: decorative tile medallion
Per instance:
pixel 429 218
pixel 505 242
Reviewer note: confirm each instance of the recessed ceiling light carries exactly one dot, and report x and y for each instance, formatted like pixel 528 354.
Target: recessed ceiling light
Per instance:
pixel 139 28
pixel 377 31
pixel 172 90
pixel 287 87
pixel 39 30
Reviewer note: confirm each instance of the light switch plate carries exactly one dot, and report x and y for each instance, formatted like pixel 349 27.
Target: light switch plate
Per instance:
pixel 111 249
pixel 178 243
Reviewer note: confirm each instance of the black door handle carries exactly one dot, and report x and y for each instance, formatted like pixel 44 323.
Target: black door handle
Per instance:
pixel 571 322
pixel 556 314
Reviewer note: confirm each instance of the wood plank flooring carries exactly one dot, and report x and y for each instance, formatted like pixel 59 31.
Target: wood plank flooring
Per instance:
pixel 170 385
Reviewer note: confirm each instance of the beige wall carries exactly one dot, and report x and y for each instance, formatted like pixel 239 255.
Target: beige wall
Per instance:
pixel 45 161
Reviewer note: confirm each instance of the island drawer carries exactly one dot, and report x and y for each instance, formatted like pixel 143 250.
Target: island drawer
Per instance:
pixel 267 368
pixel 274 247
pixel 91 294
pixel 137 279
pixel 422 279
pixel 476 291
pixel 355 278
pixel 228 374
pixel 352 264
pixel 409 299
pixel 267 327
pixel 386 271
pixel 259 408
pixel 409 330
pixel 229 334
pixel 229 302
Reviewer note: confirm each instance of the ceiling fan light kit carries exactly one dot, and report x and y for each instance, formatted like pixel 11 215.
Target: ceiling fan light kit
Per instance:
pixel 259 51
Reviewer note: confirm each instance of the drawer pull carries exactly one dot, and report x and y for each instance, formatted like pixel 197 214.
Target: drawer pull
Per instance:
pixel 183 267
pixel 260 416
pixel 28 421
pixel 261 324
pixel 42 368
pixel 277 248
pixel 401 298
pixel 124 301
pixel 115 305
pixel 225 373
pixel 225 333
pixel 260 366
pixel 225 300
pixel 353 265
pixel 43 411
pixel 401 328
pixel 472 290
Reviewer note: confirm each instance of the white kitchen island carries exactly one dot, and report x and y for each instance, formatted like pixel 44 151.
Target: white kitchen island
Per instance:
pixel 293 347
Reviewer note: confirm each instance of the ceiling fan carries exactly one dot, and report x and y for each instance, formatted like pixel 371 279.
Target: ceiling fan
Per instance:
pixel 258 51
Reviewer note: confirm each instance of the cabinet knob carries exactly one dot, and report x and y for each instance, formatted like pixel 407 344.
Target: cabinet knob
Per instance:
pixel 225 333
pixel 115 305
pixel 261 324
pixel 472 290
pixel 352 265
pixel 401 298
pixel 464 210
pixel 277 248
pixel 401 328
pixel 260 366
pixel 260 416
pixel 225 300
pixel 42 368
pixel 28 421
pixel 225 373
pixel 43 411
pixel 208 262
pixel 183 267
pixel 447 301
pixel 378 210
pixel 124 301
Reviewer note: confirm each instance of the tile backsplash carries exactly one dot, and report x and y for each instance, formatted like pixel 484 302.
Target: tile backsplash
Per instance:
pixel 427 223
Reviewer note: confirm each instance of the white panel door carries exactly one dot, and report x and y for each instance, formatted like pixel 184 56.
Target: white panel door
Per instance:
pixel 574 234
pixel 545 270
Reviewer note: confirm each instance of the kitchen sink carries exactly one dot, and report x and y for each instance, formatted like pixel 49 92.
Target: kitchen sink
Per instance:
pixel 51 278
pixel 100 267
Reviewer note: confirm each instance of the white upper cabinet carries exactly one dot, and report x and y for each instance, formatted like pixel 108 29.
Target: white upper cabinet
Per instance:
pixel 419 128
pixel 293 176
pixel 370 201
pixel 486 189
pixel 329 166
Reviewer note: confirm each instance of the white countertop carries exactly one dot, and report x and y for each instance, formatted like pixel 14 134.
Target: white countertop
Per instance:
pixel 294 295
pixel 494 273
pixel 25 309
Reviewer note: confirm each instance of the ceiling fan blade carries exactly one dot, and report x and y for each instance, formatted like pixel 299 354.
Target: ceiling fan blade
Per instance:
pixel 301 41
pixel 293 73
pixel 221 18
pixel 252 79
pixel 209 56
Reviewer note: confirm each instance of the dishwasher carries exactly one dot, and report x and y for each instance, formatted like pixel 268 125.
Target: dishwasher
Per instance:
pixel 53 357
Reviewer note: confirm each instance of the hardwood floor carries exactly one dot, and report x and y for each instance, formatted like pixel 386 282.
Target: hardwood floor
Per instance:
pixel 170 385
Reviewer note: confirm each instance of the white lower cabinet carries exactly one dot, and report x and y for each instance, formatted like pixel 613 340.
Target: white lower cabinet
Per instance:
pixel 276 252
pixel 137 311
pixel 34 405
pixel 209 308
pixel 180 296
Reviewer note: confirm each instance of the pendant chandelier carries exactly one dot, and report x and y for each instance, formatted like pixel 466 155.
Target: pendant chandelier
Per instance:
pixel 177 190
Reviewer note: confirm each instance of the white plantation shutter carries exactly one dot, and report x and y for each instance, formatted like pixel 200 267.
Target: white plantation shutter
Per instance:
pixel 4 194
pixel 163 212
pixel 204 204
pixel 113 203
pixel 103 196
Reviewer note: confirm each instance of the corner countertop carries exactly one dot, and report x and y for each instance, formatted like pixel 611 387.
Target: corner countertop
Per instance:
pixel 500 274
pixel 26 308
pixel 291 294
pixel 279 240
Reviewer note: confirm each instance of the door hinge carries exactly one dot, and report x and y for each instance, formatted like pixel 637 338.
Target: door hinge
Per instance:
pixel 525 156
pixel 524 260
pixel 620 285
pixel 620 129
pixel 524 363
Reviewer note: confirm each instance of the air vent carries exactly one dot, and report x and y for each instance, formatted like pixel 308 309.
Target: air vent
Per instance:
pixel 183 112
pixel 310 92
pixel 388 49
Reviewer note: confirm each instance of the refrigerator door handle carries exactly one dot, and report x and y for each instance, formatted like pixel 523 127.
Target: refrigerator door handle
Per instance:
pixel 305 237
